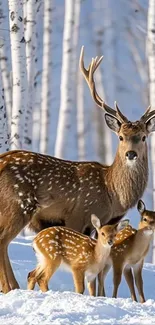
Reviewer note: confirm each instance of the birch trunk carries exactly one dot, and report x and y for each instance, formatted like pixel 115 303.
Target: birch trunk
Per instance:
pixel 74 63
pixel 46 93
pixel 4 146
pixel 102 27
pixel 30 34
pixel 151 64
pixel 64 122
pixel 19 74
pixel 80 118
pixel 4 60
pixel 37 86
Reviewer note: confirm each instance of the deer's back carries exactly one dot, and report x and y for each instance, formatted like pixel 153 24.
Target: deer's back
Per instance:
pixel 65 188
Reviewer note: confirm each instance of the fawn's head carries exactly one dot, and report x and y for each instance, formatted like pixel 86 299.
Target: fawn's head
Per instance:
pixel 107 233
pixel 132 135
pixel 147 217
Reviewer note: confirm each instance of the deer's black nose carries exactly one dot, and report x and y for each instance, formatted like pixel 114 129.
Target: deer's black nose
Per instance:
pixel 131 155
pixel 110 242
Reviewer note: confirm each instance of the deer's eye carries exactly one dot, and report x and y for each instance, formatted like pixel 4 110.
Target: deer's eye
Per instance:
pixel 103 234
pixel 143 138
pixel 144 219
pixel 121 138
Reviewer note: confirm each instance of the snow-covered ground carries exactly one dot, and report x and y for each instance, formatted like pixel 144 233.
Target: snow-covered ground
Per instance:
pixel 60 305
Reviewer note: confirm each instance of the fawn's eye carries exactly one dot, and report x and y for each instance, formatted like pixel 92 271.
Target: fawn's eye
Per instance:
pixel 143 138
pixel 121 138
pixel 144 219
pixel 103 234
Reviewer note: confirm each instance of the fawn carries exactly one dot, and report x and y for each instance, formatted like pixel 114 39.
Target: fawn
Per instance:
pixel 128 252
pixel 84 256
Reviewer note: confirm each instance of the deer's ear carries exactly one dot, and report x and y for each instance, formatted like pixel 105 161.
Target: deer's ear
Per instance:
pixel 113 123
pixel 141 206
pixel 95 221
pixel 150 125
pixel 122 224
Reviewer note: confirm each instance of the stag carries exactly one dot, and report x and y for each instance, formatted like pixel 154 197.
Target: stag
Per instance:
pixel 41 190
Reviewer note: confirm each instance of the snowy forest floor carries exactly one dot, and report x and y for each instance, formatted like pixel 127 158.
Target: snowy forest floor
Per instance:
pixel 60 305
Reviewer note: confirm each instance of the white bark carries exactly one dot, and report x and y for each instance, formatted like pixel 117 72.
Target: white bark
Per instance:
pixel 4 146
pixel 19 74
pixel 6 84
pixel 80 118
pixel 37 86
pixel 151 62
pixel 73 139
pixel 4 60
pixel 103 27
pixel 46 93
pixel 30 34
pixel 65 100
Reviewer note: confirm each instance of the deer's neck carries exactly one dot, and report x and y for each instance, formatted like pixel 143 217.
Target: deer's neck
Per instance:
pixel 125 183
pixel 101 252
pixel 142 240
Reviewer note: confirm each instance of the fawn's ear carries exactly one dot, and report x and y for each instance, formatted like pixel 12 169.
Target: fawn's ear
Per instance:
pixel 141 206
pixel 93 234
pixel 122 224
pixel 95 221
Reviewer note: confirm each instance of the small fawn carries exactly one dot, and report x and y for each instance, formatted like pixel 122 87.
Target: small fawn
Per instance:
pixel 84 256
pixel 128 252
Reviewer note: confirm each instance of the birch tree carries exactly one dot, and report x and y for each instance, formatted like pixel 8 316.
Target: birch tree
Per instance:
pixel 151 65
pixel 46 93
pixel 30 34
pixel 37 74
pixel 80 118
pixel 102 26
pixel 64 121
pixel 4 60
pixel 19 73
pixel 4 145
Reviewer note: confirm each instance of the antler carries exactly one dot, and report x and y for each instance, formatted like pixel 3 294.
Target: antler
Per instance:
pixel 89 77
pixel 147 115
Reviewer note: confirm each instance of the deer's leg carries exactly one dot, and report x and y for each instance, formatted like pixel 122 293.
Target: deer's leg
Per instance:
pixel 12 281
pixel 101 278
pixel 3 271
pixel 130 281
pixel 117 275
pixel 92 288
pixel 78 277
pixel 139 280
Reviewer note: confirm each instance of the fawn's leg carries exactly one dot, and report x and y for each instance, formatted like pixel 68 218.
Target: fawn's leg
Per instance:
pixel 130 281
pixel 47 273
pixel 101 278
pixel 117 275
pixel 31 280
pixel 92 288
pixel 78 277
pixel 139 280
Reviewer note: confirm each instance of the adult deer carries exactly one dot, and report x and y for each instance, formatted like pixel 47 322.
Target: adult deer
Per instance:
pixel 82 255
pixel 39 189
pixel 128 252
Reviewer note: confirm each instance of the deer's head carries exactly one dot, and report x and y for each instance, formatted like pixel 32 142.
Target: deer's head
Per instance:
pixel 132 135
pixel 107 234
pixel 147 217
